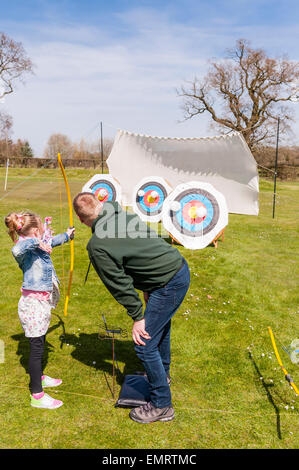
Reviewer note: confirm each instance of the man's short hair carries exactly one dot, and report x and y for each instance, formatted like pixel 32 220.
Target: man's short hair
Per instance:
pixel 85 204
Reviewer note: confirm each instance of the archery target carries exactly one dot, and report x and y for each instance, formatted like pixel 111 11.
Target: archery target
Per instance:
pixel 105 187
pixel 149 196
pixel 194 214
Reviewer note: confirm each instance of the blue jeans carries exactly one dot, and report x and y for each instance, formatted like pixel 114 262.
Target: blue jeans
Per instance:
pixel 155 355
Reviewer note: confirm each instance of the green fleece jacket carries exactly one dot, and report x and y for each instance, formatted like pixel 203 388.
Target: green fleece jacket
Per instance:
pixel 128 255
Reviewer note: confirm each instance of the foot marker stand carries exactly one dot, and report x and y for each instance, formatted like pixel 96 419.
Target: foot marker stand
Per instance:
pixel 112 333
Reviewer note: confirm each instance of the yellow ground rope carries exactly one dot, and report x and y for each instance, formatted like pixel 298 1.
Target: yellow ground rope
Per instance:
pixel 287 376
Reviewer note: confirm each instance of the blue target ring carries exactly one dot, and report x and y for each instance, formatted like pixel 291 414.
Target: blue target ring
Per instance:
pixel 199 226
pixel 154 208
pixel 98 185
pixel 188 227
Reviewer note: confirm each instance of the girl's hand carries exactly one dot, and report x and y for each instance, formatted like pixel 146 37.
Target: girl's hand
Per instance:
pixel 139 330
pixel 71 232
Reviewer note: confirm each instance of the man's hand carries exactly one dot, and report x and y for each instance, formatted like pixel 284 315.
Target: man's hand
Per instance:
pixel 139 330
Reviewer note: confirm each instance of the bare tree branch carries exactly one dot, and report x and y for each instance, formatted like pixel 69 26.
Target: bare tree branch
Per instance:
pixel 244 93
pixel 5 125
pixel 14 64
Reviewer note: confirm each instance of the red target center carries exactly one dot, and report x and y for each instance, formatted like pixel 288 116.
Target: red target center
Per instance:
pixel 189 210
pixel 148 199
pixel 102 194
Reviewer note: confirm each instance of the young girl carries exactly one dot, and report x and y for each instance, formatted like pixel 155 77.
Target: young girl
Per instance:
pixel 40 293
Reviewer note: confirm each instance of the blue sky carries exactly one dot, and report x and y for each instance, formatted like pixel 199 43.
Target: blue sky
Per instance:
pixel 120 62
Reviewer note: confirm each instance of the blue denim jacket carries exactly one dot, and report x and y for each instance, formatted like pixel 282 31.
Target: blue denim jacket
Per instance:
pixel 36 263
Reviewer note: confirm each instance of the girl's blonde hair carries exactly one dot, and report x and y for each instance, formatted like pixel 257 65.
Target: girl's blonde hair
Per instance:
pixel 21 223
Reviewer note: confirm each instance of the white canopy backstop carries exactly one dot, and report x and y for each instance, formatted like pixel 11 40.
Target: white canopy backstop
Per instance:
pixel 223 161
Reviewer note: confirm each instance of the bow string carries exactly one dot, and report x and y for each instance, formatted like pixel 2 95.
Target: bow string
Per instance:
pixel 71 241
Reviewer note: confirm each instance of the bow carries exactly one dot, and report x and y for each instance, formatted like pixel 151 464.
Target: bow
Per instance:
pixel 72 241
pixel 287 376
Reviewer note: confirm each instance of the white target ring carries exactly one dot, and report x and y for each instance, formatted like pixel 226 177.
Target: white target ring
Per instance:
pixel 194 214
pixel 148 198
pixel 105 187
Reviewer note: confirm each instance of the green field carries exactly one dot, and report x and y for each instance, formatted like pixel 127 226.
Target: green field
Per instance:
pixel 228 390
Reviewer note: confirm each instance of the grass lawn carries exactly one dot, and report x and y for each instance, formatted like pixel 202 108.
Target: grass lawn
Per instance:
pixel 228 390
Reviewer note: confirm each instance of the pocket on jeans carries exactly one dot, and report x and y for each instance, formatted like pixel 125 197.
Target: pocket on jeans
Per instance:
pixel 156 301
pixel 180 280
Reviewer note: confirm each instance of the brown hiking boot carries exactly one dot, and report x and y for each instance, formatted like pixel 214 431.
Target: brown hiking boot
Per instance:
pixel 148 414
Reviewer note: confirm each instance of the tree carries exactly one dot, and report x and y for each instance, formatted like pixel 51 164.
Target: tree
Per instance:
pixel 59 143
pixel 81 150
pixel 107 147
pixel 18 149
pixel 25 150
pixel 14 64
pixel 97 151
pixel 245 92
pixel 5 125
pixel 84 150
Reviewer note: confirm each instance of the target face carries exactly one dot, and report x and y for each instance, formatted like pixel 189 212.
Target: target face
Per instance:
pixel 194 214
pixel 148 198
pixel 105 187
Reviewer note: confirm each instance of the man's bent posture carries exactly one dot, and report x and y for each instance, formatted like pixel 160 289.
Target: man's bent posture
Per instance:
pixel 127 255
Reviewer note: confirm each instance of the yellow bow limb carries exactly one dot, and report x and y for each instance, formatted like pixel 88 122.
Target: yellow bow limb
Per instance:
pixel 287 376
pixel 72 241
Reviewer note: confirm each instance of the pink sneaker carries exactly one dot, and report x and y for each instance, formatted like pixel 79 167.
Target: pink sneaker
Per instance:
pixel 45 402
pixel 49 382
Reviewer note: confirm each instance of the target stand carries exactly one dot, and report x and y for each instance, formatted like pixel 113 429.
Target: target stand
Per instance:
pixel 105 187
pixel 195 215
pixel 220 235
pixel 112 334
pixel 149 196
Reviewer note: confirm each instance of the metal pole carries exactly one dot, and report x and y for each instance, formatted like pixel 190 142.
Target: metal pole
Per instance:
pixel 275 171
pixel 102 155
